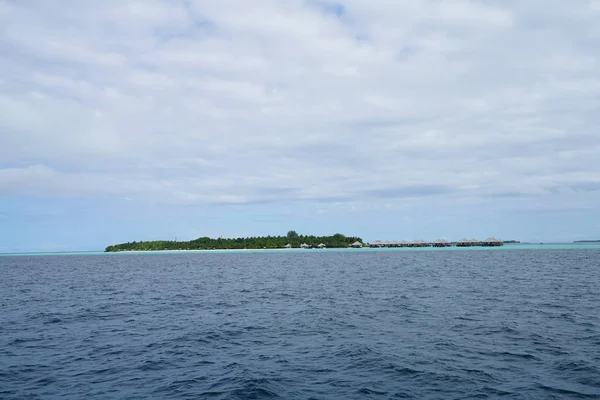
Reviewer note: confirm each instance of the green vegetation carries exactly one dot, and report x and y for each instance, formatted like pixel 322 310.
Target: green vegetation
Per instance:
pixel 265 242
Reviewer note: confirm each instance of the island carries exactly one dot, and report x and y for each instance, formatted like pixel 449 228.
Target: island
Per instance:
pixel 291 240
pixel 587 241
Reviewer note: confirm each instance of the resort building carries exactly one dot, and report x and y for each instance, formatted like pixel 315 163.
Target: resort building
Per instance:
pixel 489 242
pixel 492 242
pixel 441 243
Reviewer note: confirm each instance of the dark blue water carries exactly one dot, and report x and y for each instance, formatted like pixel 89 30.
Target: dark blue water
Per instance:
pixel 325 325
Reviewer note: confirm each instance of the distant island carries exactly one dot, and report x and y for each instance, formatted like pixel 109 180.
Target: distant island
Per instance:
pixel 512 241
pixel 587 241
pixel 291 240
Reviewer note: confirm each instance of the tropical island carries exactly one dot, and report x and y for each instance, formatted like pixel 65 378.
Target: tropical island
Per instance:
pixel 587 241
pixel 291 240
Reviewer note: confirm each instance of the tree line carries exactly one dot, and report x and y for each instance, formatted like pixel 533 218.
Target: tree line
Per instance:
pixel 261 242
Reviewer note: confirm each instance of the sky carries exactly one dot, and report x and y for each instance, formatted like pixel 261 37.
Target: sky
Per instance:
pixel 388 119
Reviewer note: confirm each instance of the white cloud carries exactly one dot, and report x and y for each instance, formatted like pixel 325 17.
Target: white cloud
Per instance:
pixel 203 102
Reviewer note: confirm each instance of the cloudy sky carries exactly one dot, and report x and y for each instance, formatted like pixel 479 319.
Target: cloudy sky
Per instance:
pixel 388 119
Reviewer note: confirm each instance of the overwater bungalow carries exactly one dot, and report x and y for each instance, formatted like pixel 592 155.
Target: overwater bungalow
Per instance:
pixel 288 246
pixel 441 243
pixel 437 243
pixel 469 243
pixel 321 246
pixel 418 243
pixel 356 245
pixel 492 242
pixel 489 242
pixel 305 246
pixel 464 243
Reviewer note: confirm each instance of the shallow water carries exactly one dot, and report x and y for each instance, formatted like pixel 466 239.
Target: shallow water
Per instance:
pixel 302 325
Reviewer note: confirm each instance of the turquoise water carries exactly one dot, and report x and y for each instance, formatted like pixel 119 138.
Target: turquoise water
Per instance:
pixel 549 246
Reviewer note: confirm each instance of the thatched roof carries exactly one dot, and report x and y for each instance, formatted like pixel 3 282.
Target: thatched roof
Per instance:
pixel 492 240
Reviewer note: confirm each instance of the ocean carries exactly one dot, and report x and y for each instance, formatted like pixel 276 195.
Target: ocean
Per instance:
pixel 519 322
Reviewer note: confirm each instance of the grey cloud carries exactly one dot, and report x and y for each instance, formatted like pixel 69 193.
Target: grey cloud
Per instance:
pixel 410 191
pixel 198 102
pixel 586 186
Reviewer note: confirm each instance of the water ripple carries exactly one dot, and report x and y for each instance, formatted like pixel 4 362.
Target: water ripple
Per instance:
pixel 327 325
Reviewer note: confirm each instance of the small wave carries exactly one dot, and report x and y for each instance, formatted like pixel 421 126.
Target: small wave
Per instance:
pixel 508 354
pixel 246 388
pixel 100 371
pixel 569 392
pixel 402 371
pixel 45 381
pixel 508 329
pixel 211 393
pixel 48 318
pixel 223 335
pixel 404 395
pixel 354 350
pixel 466 319
pixel 154 365
pixel 22 340
pixel 482 375
pixel 254 392
pixel 578 366
pixel 544 348
pixel 254 328
pixel 179 386
pixel 367 391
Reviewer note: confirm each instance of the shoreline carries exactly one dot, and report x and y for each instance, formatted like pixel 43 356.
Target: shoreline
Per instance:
pixel 507 247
